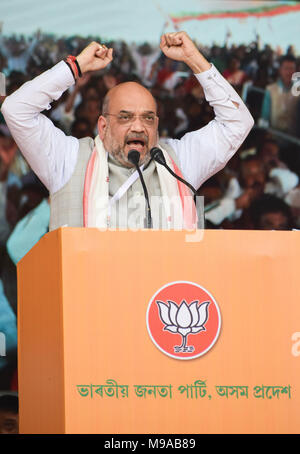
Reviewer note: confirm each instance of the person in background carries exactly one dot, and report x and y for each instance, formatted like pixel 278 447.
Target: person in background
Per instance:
pixel 279 106
pixel 33 215
pixel 234 74
pixel 28 231
pixel 17 51
pixel 256 177
pixel 10 185
pixel 9 414
pixel 129 119
pixel 32 223
pixel 270 213
pixel 8 340
pixel 280 178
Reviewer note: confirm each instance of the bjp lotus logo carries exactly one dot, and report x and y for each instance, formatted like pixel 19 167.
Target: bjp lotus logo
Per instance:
pixel 183 320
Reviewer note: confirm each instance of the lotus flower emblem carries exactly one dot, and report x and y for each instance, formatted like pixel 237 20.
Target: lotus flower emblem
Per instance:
pixel 183 319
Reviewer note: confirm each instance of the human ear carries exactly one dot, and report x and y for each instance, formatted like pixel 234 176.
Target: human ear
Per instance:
pixel 102 123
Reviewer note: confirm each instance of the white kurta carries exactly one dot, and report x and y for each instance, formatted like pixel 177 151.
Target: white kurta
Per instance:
pixel 52 155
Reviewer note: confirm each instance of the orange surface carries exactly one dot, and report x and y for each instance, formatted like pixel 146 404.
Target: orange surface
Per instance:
pixel 83 299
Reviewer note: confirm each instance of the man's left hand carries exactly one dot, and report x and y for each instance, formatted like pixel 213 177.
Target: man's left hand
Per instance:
pixel 179 46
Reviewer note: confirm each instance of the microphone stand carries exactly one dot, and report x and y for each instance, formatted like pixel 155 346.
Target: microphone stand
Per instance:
pixel 158 156
pixel 134 157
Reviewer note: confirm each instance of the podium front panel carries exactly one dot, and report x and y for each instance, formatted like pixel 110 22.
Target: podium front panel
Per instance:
pixel 150 332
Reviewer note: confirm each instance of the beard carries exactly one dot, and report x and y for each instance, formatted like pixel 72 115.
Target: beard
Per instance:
pixel 132 141
pixel 121 156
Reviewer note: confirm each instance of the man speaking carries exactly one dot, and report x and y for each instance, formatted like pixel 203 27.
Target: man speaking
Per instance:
pixel 96 182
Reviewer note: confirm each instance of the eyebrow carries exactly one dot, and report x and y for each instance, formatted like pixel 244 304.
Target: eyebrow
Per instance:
pixel 144 112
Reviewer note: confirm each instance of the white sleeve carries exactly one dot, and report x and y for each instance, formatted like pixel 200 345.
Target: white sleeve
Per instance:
pixel 284 180
pixel 50 153
pixel 223 210
pixel 204 152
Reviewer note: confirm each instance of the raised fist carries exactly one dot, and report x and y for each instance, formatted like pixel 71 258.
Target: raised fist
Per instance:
pixel 178 46
pixel 94 57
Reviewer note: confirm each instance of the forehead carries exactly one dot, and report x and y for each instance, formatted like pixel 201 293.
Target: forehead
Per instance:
pixel 131 97
pixel 270 147
pixel 275 219
pixel 287 65
pixel 250 167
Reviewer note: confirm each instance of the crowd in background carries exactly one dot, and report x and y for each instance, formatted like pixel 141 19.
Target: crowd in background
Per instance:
pixel 258 189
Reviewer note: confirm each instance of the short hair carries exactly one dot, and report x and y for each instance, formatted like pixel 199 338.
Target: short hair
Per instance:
pixel 105 103
pixel 265 142
pixel 289 58
pixel 269 203
pixel 250 158
pixel 80 120
pixel 9 402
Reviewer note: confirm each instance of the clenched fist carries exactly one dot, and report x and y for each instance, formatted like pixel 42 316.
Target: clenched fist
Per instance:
pixel 94 57
pixel 179 46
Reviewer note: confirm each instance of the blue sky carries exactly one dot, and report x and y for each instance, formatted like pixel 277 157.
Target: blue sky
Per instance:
pixel 143 20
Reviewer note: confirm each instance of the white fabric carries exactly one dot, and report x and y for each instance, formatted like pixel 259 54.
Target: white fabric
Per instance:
pixel 124 188
pixel 282 181
pixel 28 231
pixel 98 196
pixel 17 62
pixel 53 155
pixel 98 200
pixel 224 209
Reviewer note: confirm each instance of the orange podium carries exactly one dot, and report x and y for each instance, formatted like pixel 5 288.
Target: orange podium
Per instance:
pixel 153 332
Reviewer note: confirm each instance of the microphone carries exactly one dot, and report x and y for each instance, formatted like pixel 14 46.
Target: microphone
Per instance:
pixel 158 156
pixel 134 158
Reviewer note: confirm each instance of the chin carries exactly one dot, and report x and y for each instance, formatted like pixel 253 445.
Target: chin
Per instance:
pixel 146 158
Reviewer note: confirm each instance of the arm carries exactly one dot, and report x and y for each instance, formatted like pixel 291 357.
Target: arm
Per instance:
pixel 28 231
pixel 39 140
pixel 224 209
pixel 230 207
pixel 51 154
pixel 204 152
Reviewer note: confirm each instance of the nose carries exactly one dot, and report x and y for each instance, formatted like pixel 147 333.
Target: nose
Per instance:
pixel 137 125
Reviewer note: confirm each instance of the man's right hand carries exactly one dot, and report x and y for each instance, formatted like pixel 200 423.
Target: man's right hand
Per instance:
pixel 94 57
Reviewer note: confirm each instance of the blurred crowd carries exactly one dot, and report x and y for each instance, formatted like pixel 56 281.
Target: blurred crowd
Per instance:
pixel 258 189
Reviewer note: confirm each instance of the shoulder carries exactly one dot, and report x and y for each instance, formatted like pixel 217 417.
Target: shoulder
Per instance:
pixel 272 87
pixel 86 142
pixel 86 145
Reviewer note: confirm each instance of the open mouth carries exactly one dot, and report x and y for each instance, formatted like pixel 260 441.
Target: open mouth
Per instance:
pixel 136 144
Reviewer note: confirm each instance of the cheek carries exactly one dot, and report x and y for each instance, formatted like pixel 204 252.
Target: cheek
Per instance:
pixel 118 135
pixel 110 137
pixel 101 134
pixel 153 137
